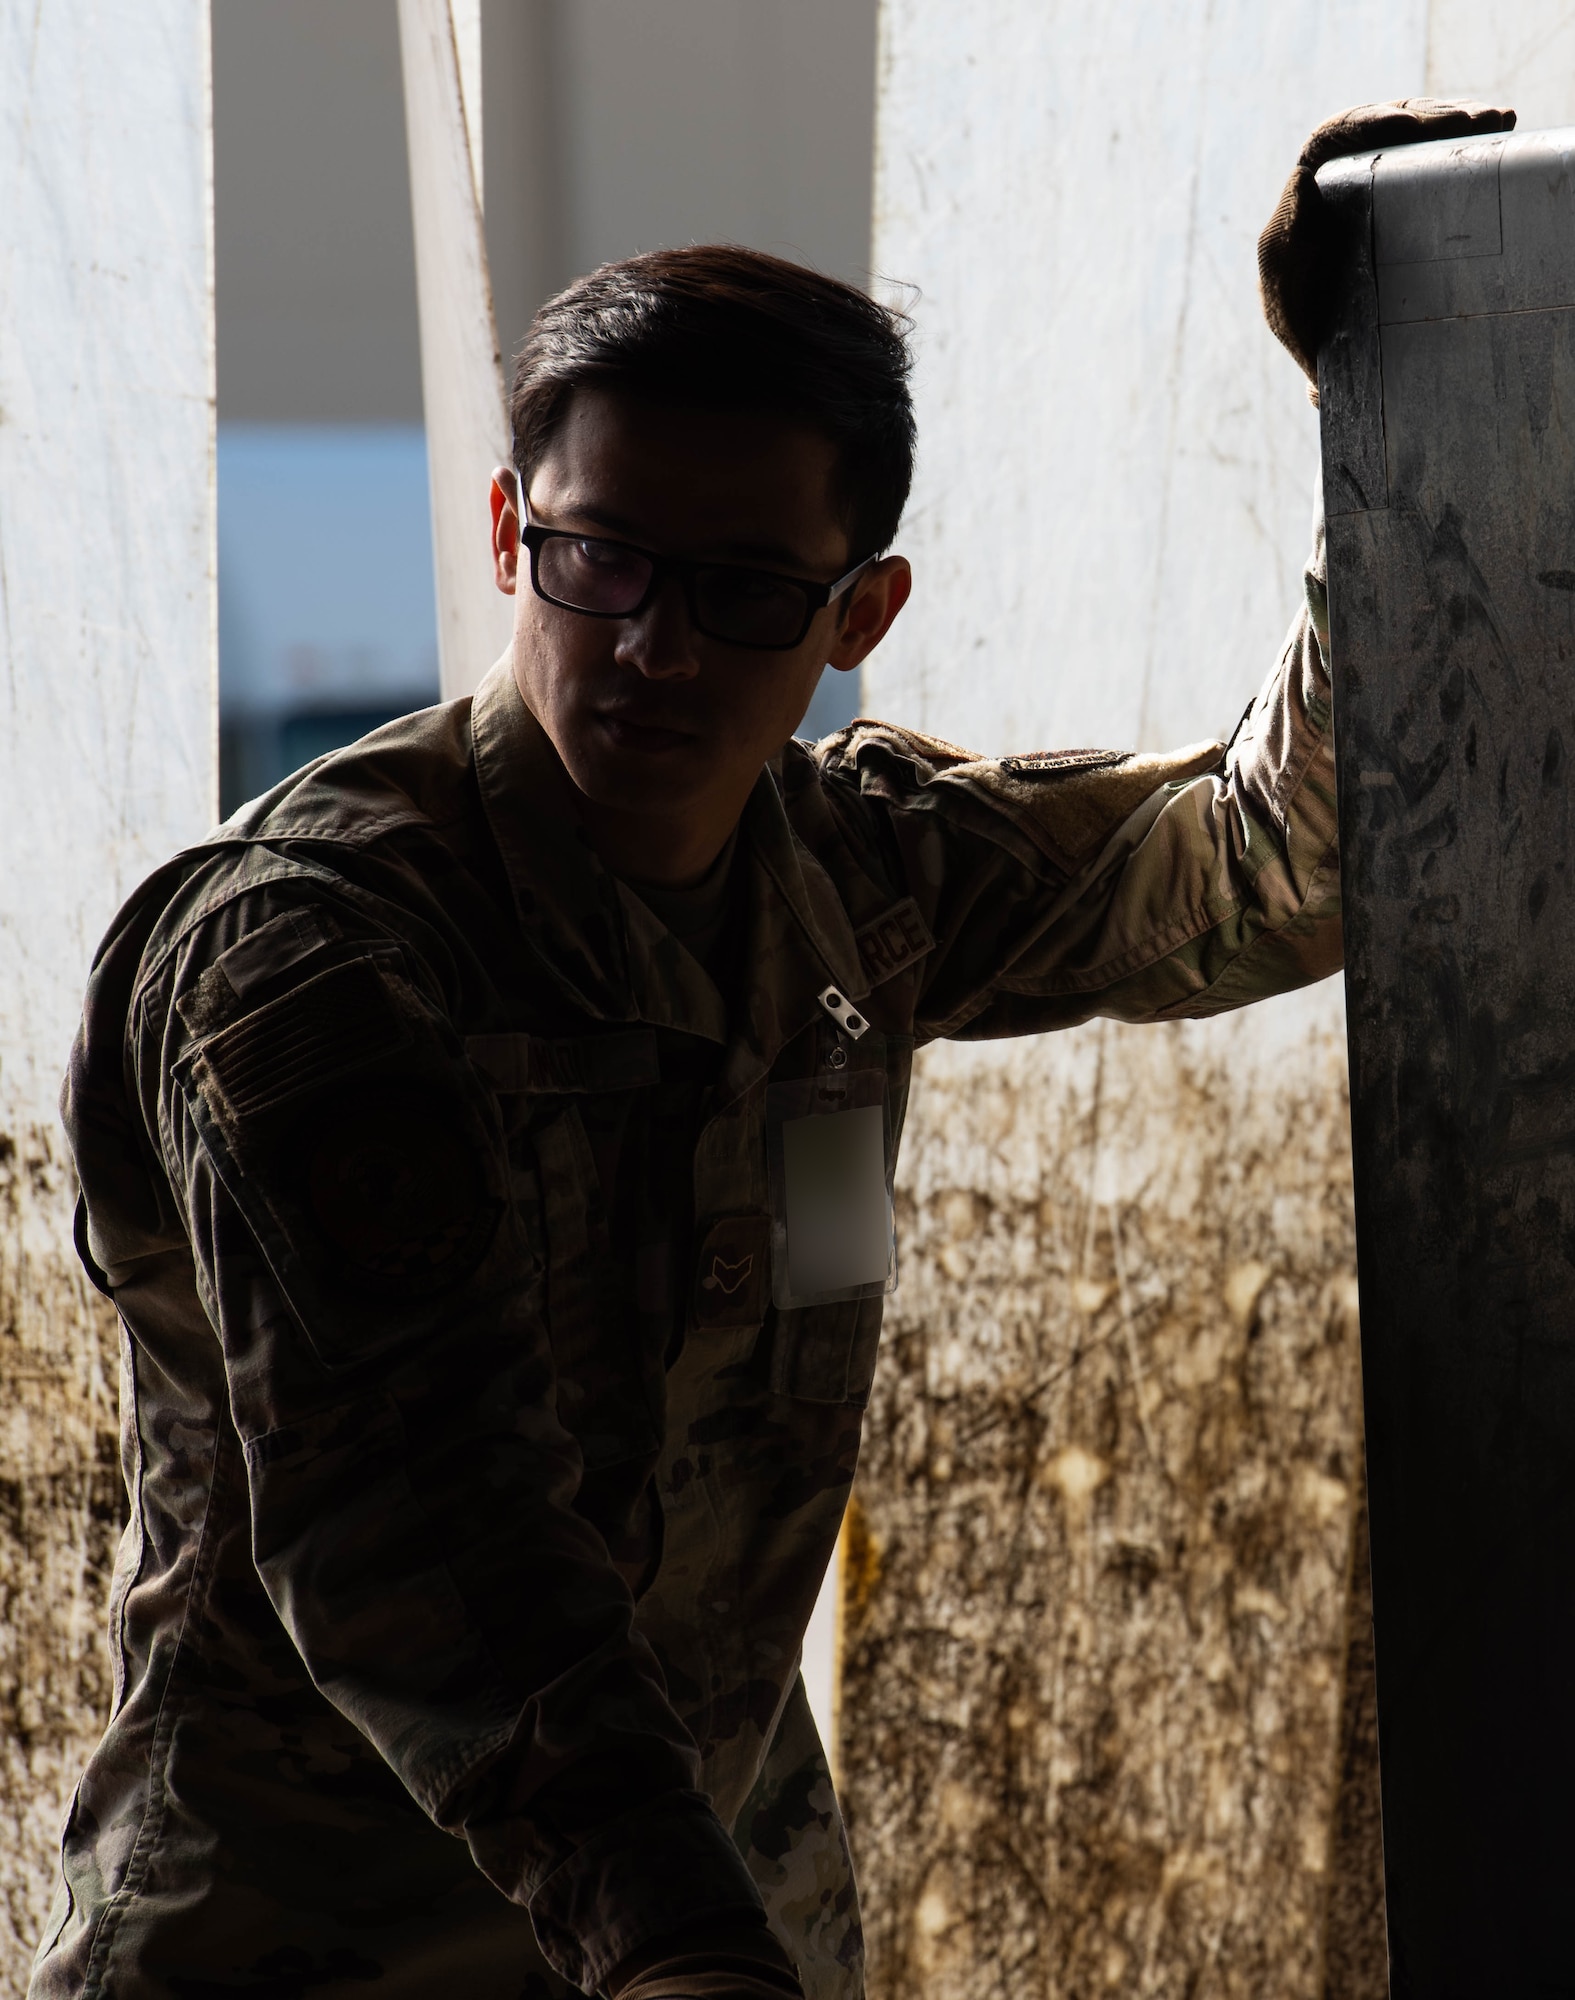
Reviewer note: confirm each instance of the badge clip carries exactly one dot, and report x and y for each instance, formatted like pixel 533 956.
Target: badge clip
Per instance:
pixel 842 1012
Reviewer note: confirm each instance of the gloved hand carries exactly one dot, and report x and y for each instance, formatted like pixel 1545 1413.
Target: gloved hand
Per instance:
pixel 1297 269
pixel 734 1962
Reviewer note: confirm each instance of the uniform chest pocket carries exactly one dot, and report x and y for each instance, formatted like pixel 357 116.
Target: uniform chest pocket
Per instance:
pixel 362 1153
pixel 826 1354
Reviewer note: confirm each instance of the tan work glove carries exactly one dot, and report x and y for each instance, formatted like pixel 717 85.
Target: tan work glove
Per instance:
pixel 735 1963
pixel 1297 253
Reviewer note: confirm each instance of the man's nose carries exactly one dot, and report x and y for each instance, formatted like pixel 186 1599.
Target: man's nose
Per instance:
pixel 660 642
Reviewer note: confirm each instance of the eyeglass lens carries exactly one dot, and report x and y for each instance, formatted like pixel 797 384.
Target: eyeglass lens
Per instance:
pixel 748 607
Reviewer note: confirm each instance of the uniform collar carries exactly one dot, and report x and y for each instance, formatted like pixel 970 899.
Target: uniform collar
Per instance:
pixel 610 956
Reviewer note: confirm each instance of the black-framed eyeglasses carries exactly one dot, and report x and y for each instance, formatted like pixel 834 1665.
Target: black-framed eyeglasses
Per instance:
pixel 740 606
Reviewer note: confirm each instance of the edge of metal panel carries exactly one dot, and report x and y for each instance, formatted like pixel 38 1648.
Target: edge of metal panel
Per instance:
pixel 1350 365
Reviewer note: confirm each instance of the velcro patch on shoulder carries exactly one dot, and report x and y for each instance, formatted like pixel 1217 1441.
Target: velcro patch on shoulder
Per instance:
pixel 575 1065
pixel 396 1185
pixel 1069 802
pixel 324 1029
pixel 1063 760
pixel 893 941
pixel 274 947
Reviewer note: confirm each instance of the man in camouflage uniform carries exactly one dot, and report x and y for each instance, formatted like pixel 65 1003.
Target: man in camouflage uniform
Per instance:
pixel 492 1389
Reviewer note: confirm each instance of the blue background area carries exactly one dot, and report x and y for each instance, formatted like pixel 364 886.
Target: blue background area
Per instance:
pixel 327 615
pixel 836 702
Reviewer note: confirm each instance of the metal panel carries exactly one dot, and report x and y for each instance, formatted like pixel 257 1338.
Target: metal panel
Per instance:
pixel 1448 396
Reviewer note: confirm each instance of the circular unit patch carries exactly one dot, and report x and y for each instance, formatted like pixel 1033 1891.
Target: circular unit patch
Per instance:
pixel 398 1188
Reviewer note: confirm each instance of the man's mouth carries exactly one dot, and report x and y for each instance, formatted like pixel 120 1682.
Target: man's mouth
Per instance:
pixel 626 731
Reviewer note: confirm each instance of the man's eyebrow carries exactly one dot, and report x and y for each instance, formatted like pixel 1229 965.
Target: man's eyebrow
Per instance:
pixel 777 554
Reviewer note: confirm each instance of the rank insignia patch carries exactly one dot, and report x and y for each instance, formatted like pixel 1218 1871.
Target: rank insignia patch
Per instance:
pixel 731 1272
pixel 726 1277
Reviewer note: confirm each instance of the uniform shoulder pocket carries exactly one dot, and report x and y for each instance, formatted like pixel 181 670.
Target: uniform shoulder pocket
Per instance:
pixel 324 1030
pixel 361 1147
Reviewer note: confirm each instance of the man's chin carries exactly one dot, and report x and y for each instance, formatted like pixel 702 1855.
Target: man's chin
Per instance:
pixel 638 770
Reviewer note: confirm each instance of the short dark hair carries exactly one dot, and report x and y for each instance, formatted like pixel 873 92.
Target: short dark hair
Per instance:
pixel 719 327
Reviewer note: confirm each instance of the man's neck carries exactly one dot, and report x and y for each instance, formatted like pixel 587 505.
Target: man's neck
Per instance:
pixel 672 853
pixel 671 850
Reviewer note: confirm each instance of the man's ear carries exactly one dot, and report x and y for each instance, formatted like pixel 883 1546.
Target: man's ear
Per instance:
pixel 505 528
pixel 871 609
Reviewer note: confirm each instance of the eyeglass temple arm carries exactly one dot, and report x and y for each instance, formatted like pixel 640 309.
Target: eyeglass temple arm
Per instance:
pixel 844 582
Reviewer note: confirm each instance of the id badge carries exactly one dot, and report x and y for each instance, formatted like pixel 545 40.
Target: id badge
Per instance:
pixel 833 1226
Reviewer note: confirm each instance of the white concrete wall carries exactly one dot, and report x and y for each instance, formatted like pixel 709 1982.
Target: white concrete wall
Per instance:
pixel 106 490
pixel 1520 53
pixel 461 376
pixel 107 763
pixel 1115 457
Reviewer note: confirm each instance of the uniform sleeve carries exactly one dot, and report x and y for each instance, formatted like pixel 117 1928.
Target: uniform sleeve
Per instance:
pixel 1065 885
pixel 359 1247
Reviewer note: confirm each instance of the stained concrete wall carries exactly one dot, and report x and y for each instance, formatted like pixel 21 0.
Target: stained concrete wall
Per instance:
pixel 1096 1620
pixel 1103 1633
pixel 107 762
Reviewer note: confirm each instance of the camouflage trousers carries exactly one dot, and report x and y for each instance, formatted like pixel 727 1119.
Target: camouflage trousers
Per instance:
pixel 791 1835
pixel 459 1939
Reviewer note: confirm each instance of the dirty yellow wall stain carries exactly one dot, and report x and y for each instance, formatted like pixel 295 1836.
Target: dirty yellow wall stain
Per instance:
pixel 62 1503
pixel 1112 1474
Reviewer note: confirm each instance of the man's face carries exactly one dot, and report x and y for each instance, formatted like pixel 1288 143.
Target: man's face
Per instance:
pixel 650 717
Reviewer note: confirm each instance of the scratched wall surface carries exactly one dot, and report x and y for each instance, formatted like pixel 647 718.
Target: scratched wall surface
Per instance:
pixel 1100 1729
pixel 61 1506
pixel 1095 1612
pixel 107 763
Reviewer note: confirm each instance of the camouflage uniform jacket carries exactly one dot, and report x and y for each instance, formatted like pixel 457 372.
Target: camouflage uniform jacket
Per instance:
pixel 480 1493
